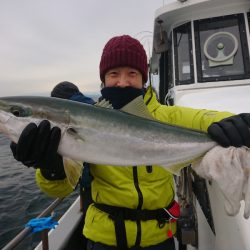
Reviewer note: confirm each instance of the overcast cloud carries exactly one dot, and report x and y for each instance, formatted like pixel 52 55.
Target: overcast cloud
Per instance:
pixel 48 41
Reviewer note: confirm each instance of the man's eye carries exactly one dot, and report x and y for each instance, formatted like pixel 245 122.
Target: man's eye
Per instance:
pixel 133 73
pixel 113 73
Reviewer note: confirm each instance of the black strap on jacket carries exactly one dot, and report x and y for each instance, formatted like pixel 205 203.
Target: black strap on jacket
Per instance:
pixel 120 214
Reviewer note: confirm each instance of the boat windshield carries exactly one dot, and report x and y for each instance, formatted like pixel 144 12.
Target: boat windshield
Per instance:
pixel 221 50
pixel 183 57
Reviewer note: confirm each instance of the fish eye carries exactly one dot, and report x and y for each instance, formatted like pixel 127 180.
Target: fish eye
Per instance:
pixel 18 111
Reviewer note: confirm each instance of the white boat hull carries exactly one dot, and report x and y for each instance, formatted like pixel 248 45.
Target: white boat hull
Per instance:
pixel 59 236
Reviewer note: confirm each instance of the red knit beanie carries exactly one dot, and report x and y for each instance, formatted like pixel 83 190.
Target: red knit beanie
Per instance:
pixel 124 51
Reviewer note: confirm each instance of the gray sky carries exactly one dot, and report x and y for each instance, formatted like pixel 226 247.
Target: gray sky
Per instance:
pixel 48 41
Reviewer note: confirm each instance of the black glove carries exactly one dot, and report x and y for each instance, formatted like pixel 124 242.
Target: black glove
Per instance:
pixel 37 147
pixel 231 131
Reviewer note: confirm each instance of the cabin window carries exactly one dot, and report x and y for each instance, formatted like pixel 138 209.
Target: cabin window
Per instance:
pixel 183 55
pixel 220 43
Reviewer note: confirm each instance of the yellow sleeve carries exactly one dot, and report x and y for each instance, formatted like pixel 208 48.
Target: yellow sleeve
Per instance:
pixel 55 189
pixel 199 119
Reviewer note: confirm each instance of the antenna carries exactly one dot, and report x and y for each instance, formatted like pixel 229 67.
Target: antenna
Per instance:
pixel 145 37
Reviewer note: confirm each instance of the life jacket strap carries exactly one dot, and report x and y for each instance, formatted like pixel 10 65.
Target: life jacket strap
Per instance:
pixel 120 214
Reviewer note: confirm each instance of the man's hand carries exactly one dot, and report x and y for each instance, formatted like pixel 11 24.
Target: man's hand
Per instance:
pixel 37 147
pixel 231 131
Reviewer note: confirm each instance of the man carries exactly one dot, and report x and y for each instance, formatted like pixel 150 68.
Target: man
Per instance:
pixel 132 206
pixel 68 90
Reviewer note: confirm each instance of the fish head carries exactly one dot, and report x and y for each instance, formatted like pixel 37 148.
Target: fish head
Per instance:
pixel 17 112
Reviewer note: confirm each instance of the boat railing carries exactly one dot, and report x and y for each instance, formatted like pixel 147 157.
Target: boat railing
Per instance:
pixel 26 231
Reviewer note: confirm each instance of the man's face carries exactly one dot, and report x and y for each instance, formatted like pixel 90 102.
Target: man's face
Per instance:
pixel 123 77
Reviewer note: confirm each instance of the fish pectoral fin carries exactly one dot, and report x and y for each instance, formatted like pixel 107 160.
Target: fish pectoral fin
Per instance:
pixel 73 132
pixel 73 170
pixel 104 104
pixel 137 107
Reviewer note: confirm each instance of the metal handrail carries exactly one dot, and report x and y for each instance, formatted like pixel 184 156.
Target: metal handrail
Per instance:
pixel 26 231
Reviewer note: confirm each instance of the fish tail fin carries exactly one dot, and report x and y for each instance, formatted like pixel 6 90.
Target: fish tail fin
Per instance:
pixel 176 168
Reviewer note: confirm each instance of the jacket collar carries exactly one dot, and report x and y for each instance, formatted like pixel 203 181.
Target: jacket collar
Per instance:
pixel 150 98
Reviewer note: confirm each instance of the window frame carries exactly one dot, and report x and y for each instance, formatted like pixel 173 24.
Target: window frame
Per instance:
pixel 244 47
pixel 179 82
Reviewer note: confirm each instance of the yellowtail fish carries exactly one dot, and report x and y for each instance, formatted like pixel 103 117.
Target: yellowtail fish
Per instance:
pixel 102 135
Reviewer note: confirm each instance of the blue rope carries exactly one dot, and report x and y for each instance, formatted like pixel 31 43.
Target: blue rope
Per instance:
pixel 39 224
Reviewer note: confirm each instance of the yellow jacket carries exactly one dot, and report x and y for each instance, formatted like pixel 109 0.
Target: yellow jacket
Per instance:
pixel 134 186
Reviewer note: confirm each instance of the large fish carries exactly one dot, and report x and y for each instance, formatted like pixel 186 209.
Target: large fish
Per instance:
pixel 101 135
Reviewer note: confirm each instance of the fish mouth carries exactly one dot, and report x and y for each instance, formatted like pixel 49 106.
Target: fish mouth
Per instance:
pixel 4 117
pixel 4 120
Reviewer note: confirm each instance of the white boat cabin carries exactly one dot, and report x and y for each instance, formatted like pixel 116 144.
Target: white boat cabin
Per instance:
pixel 201 54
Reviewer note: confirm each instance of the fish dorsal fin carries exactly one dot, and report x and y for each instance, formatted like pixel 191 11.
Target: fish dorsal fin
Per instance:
pixel 104 104
pixel 137 107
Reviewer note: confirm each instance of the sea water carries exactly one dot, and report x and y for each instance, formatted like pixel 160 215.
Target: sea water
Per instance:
pixel 20 198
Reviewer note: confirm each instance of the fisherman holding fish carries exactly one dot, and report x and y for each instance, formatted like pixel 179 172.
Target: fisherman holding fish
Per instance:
pixel 133 207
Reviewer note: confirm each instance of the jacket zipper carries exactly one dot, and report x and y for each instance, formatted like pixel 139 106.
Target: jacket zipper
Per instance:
pixel 140 202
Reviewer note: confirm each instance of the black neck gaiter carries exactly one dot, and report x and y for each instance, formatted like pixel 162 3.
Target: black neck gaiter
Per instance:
pixel 119 97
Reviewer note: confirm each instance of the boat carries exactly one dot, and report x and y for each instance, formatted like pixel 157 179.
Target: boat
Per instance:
pixel 201 57
pixel 201 54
